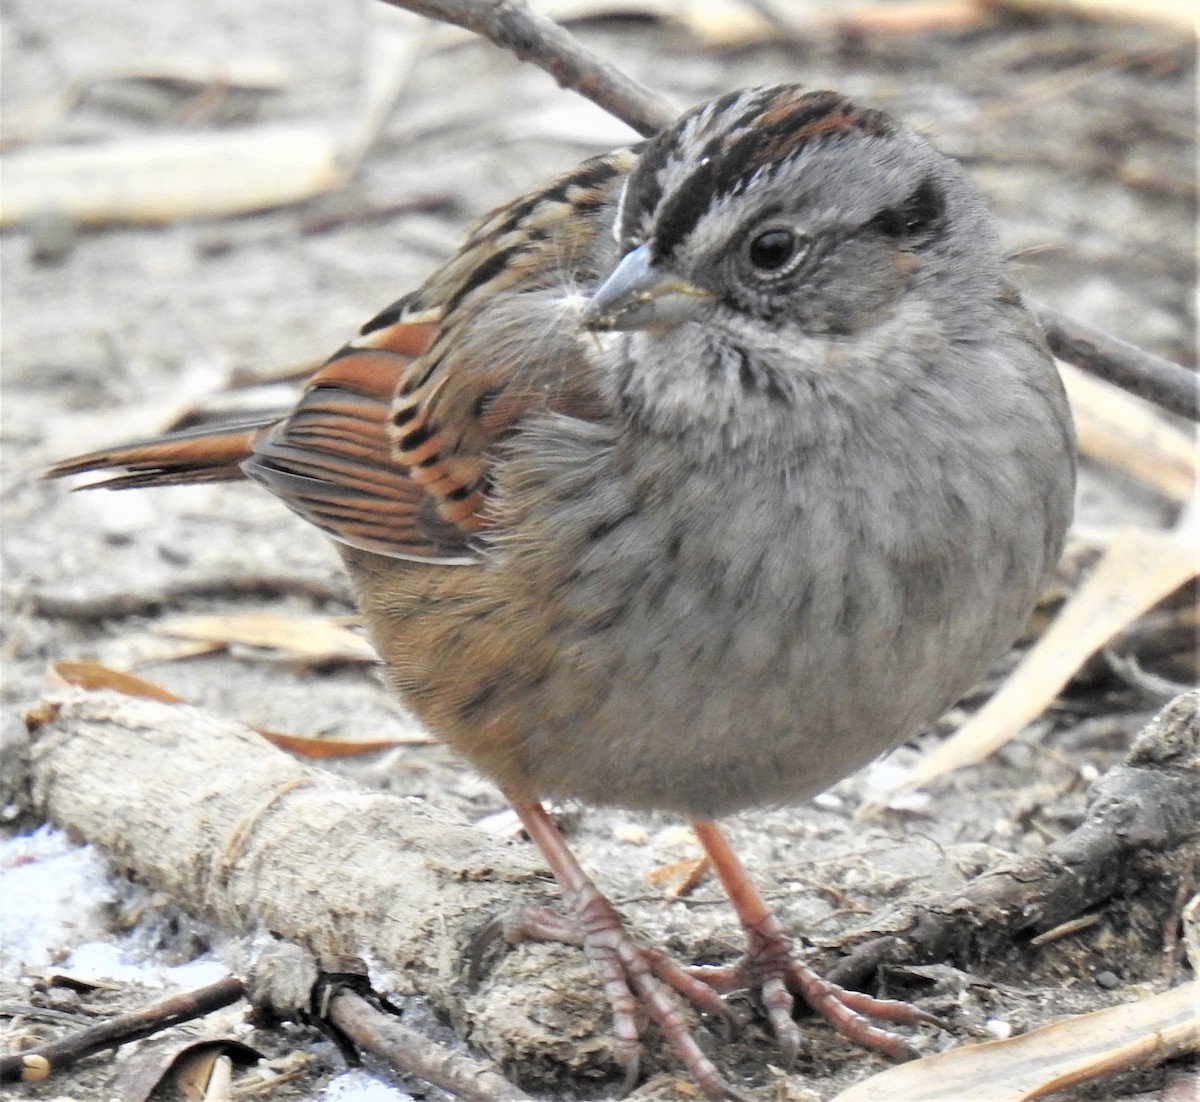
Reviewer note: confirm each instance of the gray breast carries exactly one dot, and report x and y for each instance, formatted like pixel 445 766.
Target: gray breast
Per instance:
pixel 738 649
pixel 733 634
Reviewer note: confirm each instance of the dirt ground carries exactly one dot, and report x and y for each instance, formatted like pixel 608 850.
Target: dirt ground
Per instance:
pixel 1081 133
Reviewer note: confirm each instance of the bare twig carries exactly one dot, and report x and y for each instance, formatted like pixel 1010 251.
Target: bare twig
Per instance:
pixel 513 26
pixel 36 1063
pixel 531 37
pixel 1166 384
pixel 1145 807
pixel 333 992
pixel 89 608
pixel 407 1050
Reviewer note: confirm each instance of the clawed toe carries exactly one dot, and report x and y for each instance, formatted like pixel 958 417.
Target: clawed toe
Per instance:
pixel 521 924
pixel 770 969
pixel 851 1012
pixel 638 981
pixel 642 983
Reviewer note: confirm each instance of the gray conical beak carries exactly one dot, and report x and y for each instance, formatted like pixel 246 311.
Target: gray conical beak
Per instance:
pixel 637 295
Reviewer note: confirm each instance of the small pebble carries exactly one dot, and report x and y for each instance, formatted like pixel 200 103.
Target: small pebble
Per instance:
pixel 1108 980
pixel 998 1028
pixel 52 235
pixel 503 823
pixel 630 833
pixel 58 998
pixel 909 801
pixel 675 836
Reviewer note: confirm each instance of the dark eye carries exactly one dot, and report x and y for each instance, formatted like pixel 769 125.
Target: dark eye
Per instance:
pixel 773 249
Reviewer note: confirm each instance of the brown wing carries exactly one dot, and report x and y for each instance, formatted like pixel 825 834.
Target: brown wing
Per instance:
pixel 182 458
pixel 332 460
pixel 389 449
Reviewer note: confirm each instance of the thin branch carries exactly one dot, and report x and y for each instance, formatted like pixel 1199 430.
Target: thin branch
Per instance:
pixel 37 1063
pixel 411 1052
pixel 1163 382
pixel 285 982
pixel 1139 811
pixel 511 25
pixel 90 608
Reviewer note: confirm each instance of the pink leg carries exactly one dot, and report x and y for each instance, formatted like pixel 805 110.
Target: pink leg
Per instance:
pixel 770 967
pixel 630 974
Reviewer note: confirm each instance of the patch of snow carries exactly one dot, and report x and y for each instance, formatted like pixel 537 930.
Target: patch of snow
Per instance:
pixel 357 1085
pixel 53 895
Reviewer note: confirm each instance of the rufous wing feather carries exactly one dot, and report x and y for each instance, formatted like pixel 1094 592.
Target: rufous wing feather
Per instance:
pixel 389 448
pixel 183 458
pixel 334 460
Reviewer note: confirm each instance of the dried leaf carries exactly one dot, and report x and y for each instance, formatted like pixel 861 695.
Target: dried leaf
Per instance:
pixel 736 23
pixel 727 24
pixel 1048 1059
pixel 145 648
pixel 312 638
pixel 914 17
pixel 204 1075
pixel 320 748
pixel 187 1061
pixel 682 876
pixel 260 74
pixel 1179 13
pixel 93 677
pixel 154 180
pixel 77 983
pixel 1138 570
pixel 24 121
pixel 1122 431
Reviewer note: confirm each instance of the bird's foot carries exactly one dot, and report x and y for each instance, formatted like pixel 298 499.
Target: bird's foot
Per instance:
pixel 638 981
pixel 770 968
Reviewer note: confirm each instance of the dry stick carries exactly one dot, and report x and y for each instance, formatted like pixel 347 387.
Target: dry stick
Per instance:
pixel 117 606
pixel 257 840
pixel 512 26
pixel 387 1038
pixel 372 1031
pixel 36 1063
pixel 1139 810
pixel 287 983
pixel 1168 385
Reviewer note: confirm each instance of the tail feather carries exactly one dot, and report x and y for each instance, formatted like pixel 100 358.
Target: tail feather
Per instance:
pixel 179 459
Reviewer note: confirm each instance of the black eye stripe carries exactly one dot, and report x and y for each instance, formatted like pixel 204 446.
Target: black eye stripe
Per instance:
pixel 742 135
pixel 919 213
pixel 678 215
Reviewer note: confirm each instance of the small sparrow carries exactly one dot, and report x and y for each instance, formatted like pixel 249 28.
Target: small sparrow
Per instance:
pixel 692 481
